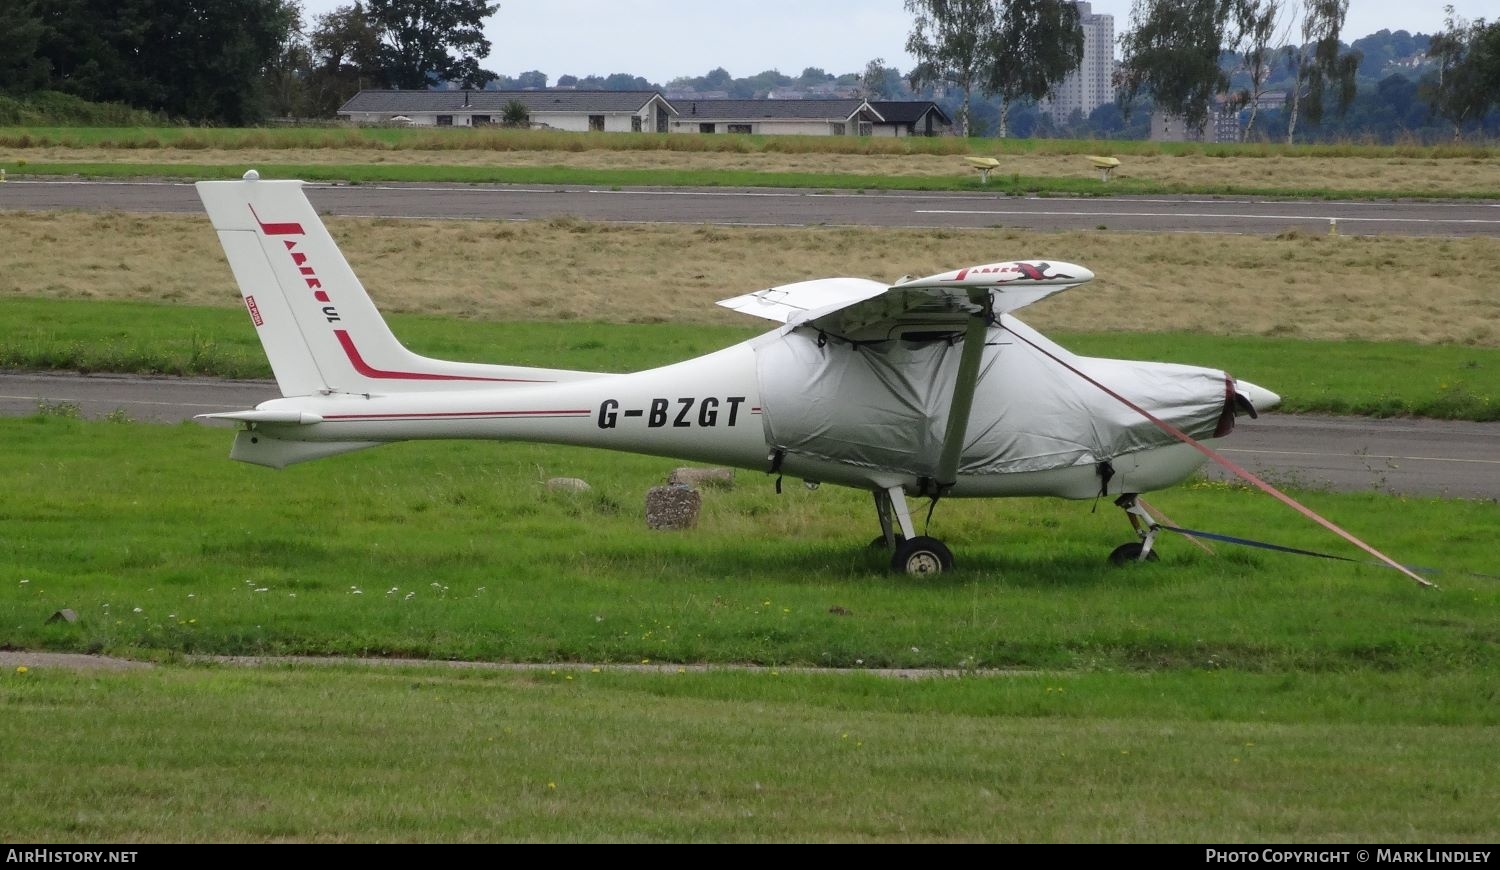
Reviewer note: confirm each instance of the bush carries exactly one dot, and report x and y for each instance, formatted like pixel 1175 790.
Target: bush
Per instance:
pixel 56 109
pixel 515 114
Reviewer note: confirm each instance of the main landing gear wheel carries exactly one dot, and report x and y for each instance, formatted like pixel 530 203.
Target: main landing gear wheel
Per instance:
pixel 914 554
pixel 922 556
pixel 1131 552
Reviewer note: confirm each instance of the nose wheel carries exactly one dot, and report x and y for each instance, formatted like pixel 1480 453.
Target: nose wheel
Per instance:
pixel 1146 528
pixel 1134 551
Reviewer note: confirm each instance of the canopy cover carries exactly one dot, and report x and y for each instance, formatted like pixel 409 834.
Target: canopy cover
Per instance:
pixel 885 404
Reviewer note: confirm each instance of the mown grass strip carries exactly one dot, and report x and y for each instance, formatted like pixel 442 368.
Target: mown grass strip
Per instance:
pixel 1371 378
pixel 1295 284
pixel 421 755
pixel 1010 185
pixel 499 139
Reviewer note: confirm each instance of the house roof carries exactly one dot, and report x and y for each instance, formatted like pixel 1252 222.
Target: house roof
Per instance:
pixel 760 110
pixel 407 102
pixel 908 111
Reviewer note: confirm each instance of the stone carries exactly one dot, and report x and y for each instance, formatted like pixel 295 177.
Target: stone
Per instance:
pixel 672 507
pixel 64 615
pixel 717 478
pixel 568 484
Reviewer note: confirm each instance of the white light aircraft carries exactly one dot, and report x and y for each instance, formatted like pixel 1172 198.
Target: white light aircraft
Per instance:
pixel 928 387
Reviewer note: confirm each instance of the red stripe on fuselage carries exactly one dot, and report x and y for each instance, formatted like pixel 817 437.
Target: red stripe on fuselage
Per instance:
pixel 369 371
pixel 441 415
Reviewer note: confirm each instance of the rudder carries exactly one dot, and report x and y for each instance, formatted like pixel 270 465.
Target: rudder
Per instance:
pixel 320 330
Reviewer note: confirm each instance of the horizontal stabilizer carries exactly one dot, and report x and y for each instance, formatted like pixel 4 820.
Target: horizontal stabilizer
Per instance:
pixel 301 418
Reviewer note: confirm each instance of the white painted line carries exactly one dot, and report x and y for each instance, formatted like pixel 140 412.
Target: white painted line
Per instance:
pixel 1358 456
pixel 1234 200
pixel 118 402
pixel 1179 214
pixel 404 188
pixel 84 183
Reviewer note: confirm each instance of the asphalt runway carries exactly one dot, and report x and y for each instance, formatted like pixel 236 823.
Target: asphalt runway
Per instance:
pixel 1409 457
pixel 767 207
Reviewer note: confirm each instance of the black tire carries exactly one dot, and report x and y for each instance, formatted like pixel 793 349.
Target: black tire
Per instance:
pixel 922 557
pixel 880 544
pixel 1128 553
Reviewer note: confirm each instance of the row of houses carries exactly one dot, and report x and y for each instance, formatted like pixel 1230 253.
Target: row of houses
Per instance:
pixel 649 111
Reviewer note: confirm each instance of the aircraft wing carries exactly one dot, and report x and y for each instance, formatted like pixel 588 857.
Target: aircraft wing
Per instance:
pixel 862 309
pixel 792 302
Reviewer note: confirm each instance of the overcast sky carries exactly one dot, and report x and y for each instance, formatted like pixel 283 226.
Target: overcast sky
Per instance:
pixel 664 39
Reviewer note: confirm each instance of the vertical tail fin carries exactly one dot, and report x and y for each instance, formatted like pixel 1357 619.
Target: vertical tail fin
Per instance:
pixel 317 324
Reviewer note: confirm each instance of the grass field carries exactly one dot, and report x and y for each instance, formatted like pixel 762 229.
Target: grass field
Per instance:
pixel 793 161
pixel 457 550
pixel 1238 697
pixel 1245 697
pixel 351 754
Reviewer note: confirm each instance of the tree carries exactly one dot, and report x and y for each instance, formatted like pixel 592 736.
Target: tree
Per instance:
pixel 567 81
pixel 625 82
pixel 880 82
pixel 1172 53
pixel 813 76
pixel 744 89
pixel 717 79
pixel 345 58
pixel 533 78
pixel 288 72
pixel 1257 20
pixel 1034 46
pixel 1467 55
pixel 1381 48
pixel 22 67
pixel 949 39
pixel 202 60
pixel 1320 64
pixel 427 40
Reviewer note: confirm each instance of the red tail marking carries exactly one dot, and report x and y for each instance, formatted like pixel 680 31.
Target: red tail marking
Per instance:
pixel 287 229
pixel 370 371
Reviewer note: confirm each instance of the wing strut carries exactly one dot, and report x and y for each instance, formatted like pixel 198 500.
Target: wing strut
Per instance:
pixel 963 396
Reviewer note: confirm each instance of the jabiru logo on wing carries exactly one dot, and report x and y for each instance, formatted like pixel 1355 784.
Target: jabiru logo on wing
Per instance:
pixel 299 259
